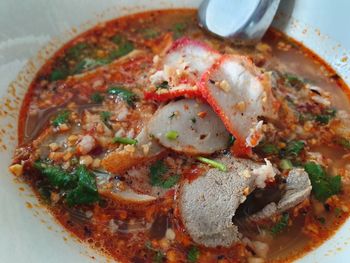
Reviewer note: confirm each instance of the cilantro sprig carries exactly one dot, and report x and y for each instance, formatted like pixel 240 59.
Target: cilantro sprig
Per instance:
pixel 323 185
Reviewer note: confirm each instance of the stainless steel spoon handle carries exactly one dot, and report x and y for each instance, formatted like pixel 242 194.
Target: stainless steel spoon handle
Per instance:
pixel 242 21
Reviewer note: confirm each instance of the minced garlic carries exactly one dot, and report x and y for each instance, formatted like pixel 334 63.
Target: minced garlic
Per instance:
pixel 223 84
pixel 145 149
pixel 129 148
pixel 241 106
pixel 54 146
pixel 16 169
pixel 86 160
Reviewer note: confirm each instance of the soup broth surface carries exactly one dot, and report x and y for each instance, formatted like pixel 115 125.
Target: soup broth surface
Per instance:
pixel 80 129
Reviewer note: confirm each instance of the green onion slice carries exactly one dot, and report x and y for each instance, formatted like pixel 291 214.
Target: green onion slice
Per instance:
pixel 215 164
pixel 124 140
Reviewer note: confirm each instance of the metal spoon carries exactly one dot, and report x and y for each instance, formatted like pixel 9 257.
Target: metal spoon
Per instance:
pixel 241 21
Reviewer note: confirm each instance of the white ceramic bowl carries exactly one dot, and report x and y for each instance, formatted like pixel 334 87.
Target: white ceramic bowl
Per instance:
pixel 27 232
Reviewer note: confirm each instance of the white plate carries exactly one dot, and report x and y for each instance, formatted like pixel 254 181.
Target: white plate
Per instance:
pixel 32 235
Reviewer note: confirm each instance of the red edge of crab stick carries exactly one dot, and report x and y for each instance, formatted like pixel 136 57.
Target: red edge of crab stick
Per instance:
pixel 239 148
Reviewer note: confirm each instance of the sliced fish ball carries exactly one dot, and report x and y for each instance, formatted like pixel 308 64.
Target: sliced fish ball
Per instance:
pixel 108 186
pixel 189 126
pixel 192 55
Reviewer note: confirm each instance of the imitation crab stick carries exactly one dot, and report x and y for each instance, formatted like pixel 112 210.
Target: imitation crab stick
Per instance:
pixel 180 69
pixel 239 93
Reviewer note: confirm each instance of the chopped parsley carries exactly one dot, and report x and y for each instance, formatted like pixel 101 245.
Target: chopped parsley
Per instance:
pixel 323 185
pixel 158 254
pixel 178 30
pixel 322 220
pixel 338 212
pixel 124 140
pixel 128 96
pixel 163 85
pixel 268 148
pixel 61 118
pixel 105 117
pixel 59 73
pixel 294 148
pixel 326 116
pixel 89 64
pixel 281 224
pixel 76 51
pixel 123 49
pixel 117 39
pixel 170 181
pixel 96 97
pixel 293 81
pixel 150 33
pixel 193 120
pixel 193 254
pixel 157 171
pixel 231 140
pixel 343 142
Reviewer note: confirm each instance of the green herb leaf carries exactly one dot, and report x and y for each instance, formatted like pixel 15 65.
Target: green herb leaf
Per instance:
pixel 294 147
pixel 45 193
pixel 159 255
pixel 170 181
pixel 326 116
pixel 117 39
pixel 163 85
pixel 76 51
pixel 215 164
pixel 150 33
pixel 59 73
pixel 124 49
pixel 193 254
pixel 96 97
pixel 61 118
pixel 231 140
pixel 281 224
pixel 338 212
pixel 323 185
pixel 79 186
pixel 268 148
pixel 157 171
pixel 89 64
pixel 56 176
pixel 85 191
pixel 124 140
pixel 105 117
pixel 293 81
pixel 172 135
pixel 128 96
pixel 178 30
pixel 343 142
pixel 322 220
